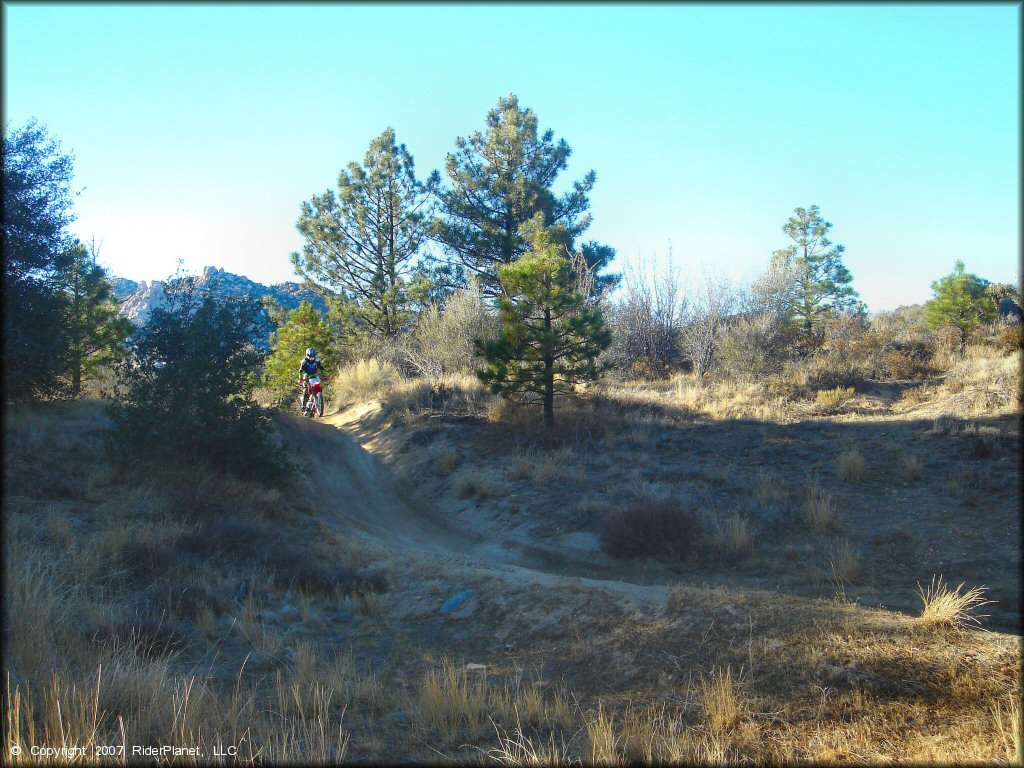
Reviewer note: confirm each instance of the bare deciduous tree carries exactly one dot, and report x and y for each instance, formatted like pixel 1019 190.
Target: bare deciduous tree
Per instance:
pixel 647 318
pixel 709 305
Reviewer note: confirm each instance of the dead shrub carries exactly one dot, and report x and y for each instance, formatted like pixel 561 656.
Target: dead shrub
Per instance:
pixel 1011 337
pixel 650 528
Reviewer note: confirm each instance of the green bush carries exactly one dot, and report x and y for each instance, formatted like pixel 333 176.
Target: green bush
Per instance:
pixel 183 394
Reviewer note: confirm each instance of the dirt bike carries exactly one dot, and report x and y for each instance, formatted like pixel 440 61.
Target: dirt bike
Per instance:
pixel 312 396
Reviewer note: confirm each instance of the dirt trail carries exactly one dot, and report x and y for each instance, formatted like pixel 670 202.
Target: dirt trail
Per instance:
pixel 360 495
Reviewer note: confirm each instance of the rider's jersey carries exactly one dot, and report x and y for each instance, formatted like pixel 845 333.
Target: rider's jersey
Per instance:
pixel 310 367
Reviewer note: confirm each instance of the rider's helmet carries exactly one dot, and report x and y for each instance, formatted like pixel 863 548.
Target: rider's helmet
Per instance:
pixel 310 353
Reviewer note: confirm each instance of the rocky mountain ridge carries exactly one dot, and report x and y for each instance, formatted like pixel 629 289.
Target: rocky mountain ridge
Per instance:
pixel 139 299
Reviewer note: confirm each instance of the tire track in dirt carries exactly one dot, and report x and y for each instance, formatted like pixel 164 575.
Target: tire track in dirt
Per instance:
pixel 357 492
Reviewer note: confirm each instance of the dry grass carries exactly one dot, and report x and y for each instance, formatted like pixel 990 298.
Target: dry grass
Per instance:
pixel 447 462
pixel 911 468
pixel 1008 725
pixel 541 467
pixel 454 702
pixel 769 488
pixel 947 607
pixel 721 700
pixel 832 400
pixel 819 510
pixel 473 483
pixel 733 535
pixel 844 565
pixel 364 380
pixel 851 466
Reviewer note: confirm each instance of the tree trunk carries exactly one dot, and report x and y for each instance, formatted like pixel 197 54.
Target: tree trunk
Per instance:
pixel 549 380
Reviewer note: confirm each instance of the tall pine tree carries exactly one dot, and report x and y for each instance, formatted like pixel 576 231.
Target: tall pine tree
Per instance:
pixel 297 330
pixel 500 180
pixel 550 334
pixel 822 284
pixel 92 333
pixel 362 244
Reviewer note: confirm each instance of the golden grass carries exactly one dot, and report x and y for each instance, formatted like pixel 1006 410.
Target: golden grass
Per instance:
pixel 819 510
pixel 951 607
pixel 1008 725
pixel 852 466
pixel 721 700
pixel 454 702
pixel 831 400
pixel 364 380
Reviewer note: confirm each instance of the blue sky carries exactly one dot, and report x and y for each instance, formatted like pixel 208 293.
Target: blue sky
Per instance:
pixel 198 130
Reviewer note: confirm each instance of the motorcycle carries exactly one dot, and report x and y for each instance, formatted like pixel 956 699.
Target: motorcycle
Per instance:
pixel 312 397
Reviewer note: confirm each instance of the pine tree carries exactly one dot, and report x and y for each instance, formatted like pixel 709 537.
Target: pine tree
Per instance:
pixel 822 280
pixel 92 333
pixel 550 335
pixel 362 243
pixel 500 180
pixel 960 301
pixel 297 330
pixel 37 209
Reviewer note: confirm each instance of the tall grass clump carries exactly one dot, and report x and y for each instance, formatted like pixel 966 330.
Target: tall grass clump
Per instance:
pixel 721 700
pixel 945 607
pixel 364 380
pixel 831 400
pixel 819 510
pixel 851 466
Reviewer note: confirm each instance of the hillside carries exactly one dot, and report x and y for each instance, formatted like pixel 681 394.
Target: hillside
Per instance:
pixel 434 586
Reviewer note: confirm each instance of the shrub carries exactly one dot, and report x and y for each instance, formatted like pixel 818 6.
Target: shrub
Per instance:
pixel 650 528
pixel 754 347
pixel 1011 337
pixel 292 568
pixel 186 389
pixel 442 341
pixel 833 399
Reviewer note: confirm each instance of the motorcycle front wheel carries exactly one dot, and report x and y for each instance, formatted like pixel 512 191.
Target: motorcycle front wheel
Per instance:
pixel 319 404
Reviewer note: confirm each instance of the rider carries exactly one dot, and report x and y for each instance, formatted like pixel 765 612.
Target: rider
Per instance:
pixel 310 366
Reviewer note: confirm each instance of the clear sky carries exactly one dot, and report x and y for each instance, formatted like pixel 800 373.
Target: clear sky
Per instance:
pixel 198 130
